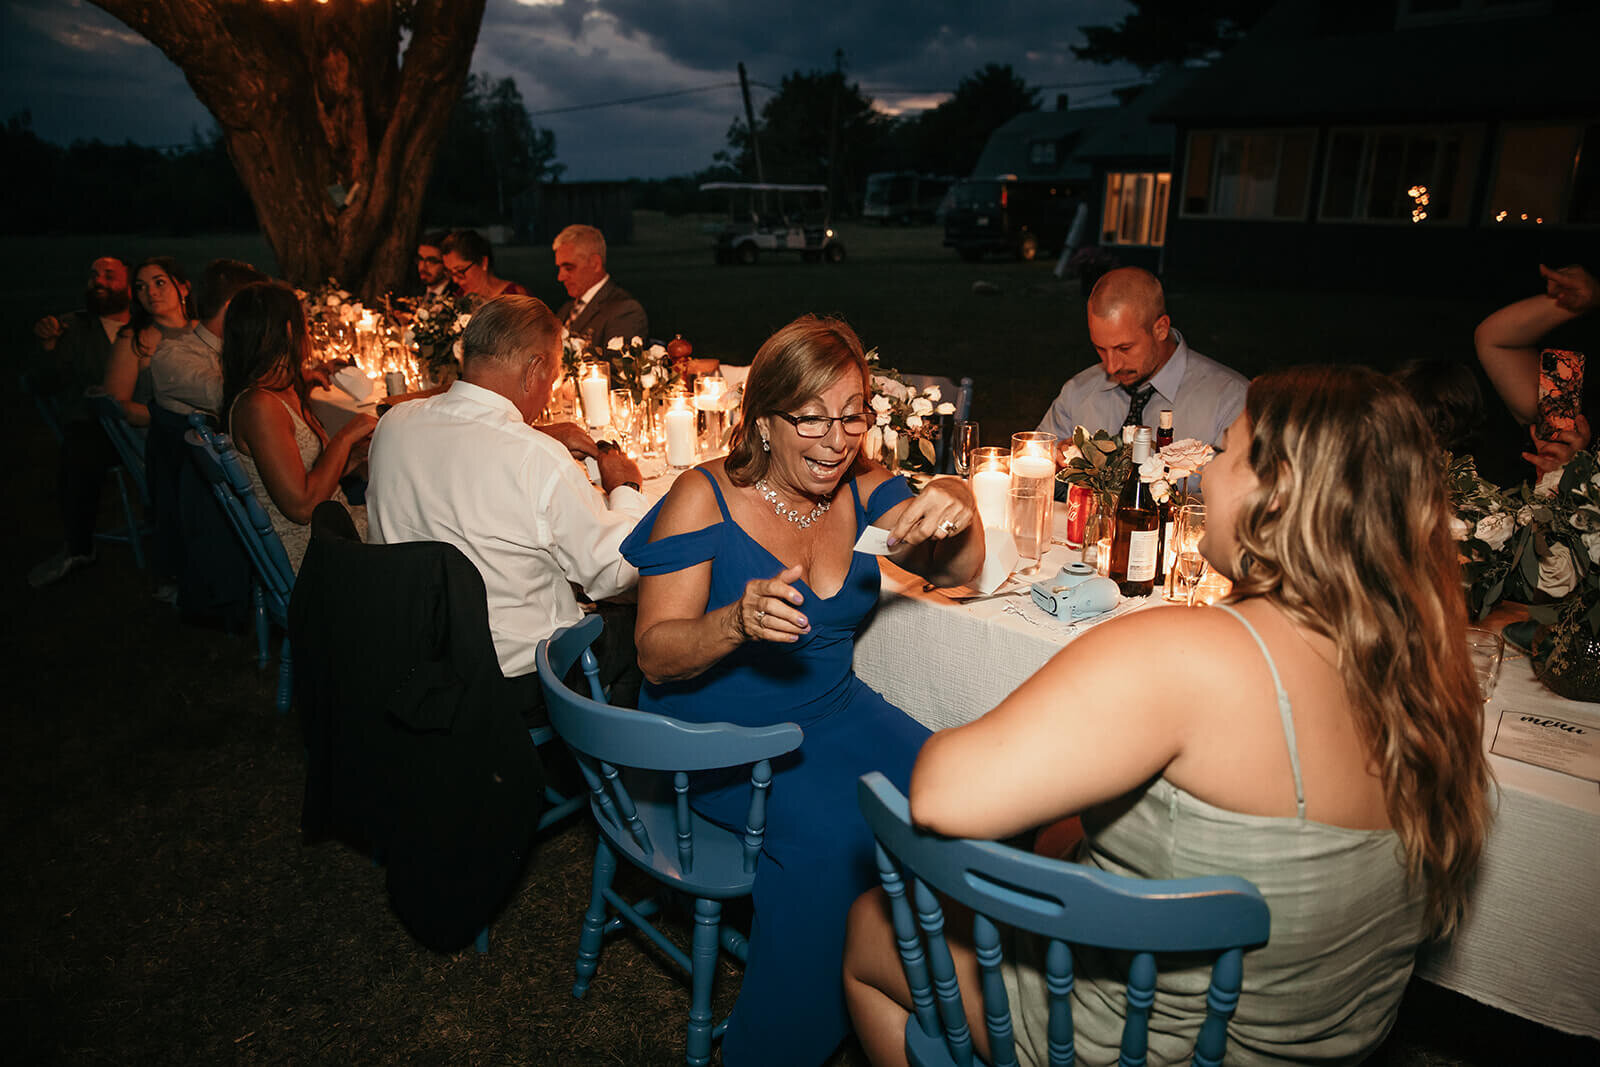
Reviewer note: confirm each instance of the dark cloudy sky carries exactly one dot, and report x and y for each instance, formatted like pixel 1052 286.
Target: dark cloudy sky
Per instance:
pixel 83 74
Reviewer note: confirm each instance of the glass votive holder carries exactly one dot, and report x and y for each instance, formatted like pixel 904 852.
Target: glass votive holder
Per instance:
pixel 1028 508
pixel 1033 467
pixel 678 428
pixel 709 393
pixel 594 391
pixel 991 482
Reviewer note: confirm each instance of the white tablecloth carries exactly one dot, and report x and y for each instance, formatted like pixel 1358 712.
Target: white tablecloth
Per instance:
pixel 1531 942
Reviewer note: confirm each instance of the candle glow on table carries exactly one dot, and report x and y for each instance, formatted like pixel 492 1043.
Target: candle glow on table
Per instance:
pixel 991 484
pixel 1033 476
pixel 709 391
pixel 678 424
pixel 594 387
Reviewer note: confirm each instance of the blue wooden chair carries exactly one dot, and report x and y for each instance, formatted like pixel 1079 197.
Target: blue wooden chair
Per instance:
pixel 130 467
pixel 274 578
pixel 1065 902
pixel 637 766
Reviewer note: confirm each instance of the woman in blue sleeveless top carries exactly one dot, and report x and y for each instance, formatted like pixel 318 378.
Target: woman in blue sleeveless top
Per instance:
pixel 750 597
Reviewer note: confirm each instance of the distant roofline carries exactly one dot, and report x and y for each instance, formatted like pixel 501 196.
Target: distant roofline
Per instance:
pixel 763 187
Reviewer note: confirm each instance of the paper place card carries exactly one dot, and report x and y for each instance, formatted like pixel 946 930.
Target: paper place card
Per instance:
pixel 999 560
pixel 874 541
pixel 1545 741
pixel 353 382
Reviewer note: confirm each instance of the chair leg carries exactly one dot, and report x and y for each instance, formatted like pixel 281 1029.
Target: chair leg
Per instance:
pixel 707 921
pixel 285 676
pixel 258 605
pixel 133 522
pixel 483 942
pixel 594 920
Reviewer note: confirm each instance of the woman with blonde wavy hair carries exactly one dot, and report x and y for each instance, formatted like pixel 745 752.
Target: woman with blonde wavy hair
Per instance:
pixel 1319 735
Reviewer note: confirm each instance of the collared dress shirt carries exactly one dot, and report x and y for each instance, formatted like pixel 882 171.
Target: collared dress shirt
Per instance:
pixel 1205 397
pixel 186 372
pixel 462 467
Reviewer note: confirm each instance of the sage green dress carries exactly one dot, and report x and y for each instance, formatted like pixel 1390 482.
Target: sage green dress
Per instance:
pixel 1325 988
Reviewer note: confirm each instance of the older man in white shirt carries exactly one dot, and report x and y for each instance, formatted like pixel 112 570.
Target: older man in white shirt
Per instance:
pixel 467 468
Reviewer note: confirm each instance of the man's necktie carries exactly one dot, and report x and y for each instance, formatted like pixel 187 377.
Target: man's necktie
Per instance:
pixel 577 309
pixel 1137 399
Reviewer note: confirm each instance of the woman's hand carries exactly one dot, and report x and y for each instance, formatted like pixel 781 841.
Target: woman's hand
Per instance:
pixel 1555 453
pixel 943 509
pixel 360 426
pixel 770 609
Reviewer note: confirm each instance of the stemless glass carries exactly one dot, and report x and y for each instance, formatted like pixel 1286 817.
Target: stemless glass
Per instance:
pixel 1487 649
pixel 1191 565
pixel 966 439
pixel 1029 516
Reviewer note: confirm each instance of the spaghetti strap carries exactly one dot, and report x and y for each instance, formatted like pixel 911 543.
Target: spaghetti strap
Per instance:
pixel 1285 711
pixel 717 489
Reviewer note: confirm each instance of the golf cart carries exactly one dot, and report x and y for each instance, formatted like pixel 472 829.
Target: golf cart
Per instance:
pixel 763 217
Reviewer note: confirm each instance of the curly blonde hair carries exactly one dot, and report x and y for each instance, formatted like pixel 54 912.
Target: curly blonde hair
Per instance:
pixel 1348 532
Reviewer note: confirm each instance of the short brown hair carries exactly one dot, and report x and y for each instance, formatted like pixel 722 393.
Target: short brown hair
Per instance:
pixel 795 365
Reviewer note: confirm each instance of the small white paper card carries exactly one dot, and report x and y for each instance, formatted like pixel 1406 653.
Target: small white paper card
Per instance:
pixel 1545 741
pixel 874 541
pixel 999 560
pixel 353 382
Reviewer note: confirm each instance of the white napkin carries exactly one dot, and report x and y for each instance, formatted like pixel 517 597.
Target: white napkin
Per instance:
pixel 874 541
pixel 999 560
pixel 353 382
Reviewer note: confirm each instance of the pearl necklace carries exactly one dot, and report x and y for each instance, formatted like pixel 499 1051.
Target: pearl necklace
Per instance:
pixel 784 511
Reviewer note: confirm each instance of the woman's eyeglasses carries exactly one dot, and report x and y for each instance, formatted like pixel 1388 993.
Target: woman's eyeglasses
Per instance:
pixel 854 424
pixel 458 273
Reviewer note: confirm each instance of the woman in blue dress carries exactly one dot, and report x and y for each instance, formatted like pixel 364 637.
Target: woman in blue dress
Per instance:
pixel 750 597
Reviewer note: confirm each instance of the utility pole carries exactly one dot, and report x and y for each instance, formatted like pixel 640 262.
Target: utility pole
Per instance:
pixel 750 124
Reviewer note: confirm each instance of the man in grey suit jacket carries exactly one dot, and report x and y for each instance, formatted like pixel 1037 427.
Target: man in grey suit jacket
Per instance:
pixel 600 309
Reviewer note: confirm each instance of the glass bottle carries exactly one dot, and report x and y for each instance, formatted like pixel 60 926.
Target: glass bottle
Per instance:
pixel 1136 548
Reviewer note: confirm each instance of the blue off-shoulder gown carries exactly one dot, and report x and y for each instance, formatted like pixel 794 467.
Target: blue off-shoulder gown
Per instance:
pixel 818 854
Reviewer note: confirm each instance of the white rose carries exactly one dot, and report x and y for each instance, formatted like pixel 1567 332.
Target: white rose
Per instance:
pixel 1152 468
pixel 1591 543
pixel 932 393
pixel 658 352
pixel 614 345
pixel 1161 489
pixel 891 439
pixel 1548 484
pixel 637 342
pixel 1524 515
pixel 1460 529
pixel 873 444
pixel 422 315
pixel 881 403
pixel 648 379
pixel 1186 456
pixel 946 408
pixel 883 418
pixel 462 321
pixel 922 406
pixel 913 422
pixel 896 389
pixel 1557 574
pixel 333 300
pixel 1495 530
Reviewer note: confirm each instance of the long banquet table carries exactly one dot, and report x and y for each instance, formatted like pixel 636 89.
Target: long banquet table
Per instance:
pixel 1531 941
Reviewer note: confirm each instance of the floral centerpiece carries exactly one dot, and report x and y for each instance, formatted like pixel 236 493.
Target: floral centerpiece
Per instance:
pixel 1538 544
pixel 903 415
pixel 436 326
pixel 1099 462
pixel 635 366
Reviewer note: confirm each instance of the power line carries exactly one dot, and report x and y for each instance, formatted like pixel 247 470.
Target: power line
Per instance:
pixel 1056 85
pixel 641 99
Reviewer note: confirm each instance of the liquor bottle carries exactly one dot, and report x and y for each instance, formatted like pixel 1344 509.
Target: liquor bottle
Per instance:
pixel 1164 555
pixel 1137 545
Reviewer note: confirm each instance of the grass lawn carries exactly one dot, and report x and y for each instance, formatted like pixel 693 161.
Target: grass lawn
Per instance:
pixel 904 293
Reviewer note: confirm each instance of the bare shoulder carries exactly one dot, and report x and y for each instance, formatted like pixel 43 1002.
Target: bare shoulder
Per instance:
pixel 1191 649
pixel 871 474
pixel 691 503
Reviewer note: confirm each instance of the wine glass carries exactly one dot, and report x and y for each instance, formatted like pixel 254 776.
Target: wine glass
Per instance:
pixel 1487 649
pixel 966 440
pixel 341 340
pixel 1190 528
pixel 623 413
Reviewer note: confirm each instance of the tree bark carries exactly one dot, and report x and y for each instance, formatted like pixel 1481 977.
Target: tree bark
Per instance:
pixel 316 102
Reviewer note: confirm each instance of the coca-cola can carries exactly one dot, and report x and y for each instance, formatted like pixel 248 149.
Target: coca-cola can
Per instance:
pixel 1080 500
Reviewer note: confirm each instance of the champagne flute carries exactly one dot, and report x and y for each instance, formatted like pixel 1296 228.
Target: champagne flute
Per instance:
pixel 622 417
pixel 966 440
pixel 1191 527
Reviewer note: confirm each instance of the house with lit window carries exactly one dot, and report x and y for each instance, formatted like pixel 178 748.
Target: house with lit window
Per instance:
pixel 1441 145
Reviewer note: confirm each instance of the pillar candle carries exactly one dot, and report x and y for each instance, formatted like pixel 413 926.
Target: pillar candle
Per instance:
pixel 680 430
pixel 991 488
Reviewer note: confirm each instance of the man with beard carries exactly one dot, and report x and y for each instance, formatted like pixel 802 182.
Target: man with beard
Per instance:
pixel 76 348
pixel 77 345
pixel 433 280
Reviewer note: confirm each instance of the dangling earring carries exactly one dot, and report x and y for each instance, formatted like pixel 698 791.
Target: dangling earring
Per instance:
pixel 766 445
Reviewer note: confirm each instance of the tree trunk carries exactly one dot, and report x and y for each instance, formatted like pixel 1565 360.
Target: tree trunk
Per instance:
pixel 317 106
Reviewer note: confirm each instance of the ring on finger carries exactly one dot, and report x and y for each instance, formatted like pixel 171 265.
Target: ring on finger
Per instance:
pixel 761 617
pixel 947 527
